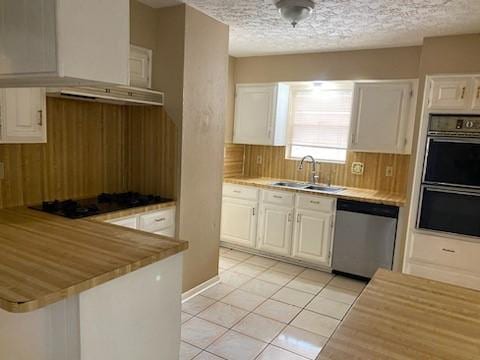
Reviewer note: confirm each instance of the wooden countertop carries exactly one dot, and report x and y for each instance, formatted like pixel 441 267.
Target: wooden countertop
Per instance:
pixel 133 211
pixel 401 316
pixel 373 196
pixel 45 258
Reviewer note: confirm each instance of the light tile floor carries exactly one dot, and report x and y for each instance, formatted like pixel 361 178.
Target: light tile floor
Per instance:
pixel 265 309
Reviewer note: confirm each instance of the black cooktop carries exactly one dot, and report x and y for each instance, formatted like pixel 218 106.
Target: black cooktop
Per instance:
pixel 103 203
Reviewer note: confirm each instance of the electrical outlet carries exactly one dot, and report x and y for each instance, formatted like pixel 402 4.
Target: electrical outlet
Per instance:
pixel 357 168
pixel 2 170
pixel 259 159
pixel 389 171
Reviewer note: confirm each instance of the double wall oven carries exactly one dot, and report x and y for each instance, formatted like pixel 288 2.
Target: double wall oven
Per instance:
pixel 450 192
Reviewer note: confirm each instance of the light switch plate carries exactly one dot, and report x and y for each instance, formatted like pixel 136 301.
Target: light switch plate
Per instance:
pixel 2 170
pixel 259 159
pixel 357 168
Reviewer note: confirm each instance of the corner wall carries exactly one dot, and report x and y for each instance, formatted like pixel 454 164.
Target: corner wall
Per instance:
pixel 203 129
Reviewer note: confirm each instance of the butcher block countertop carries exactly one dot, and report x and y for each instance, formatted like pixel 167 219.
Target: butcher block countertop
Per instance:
pixel 45 258
pixel 367 195
pixel 401 316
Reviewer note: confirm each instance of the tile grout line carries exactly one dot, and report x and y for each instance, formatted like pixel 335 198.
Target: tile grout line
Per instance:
pixel 249 312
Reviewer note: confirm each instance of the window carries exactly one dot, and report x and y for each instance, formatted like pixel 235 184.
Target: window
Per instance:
pixel 319 121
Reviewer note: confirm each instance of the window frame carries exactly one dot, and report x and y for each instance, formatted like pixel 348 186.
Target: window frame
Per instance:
pixel 299 86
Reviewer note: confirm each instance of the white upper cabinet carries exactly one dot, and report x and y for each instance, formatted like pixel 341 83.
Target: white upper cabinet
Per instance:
pixel 64 42
pixel 449 93
pixel 383 114
pixel 261 112
pixel 140 66
pixel 23 115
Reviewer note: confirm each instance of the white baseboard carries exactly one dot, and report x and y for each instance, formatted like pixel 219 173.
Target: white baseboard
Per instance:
pixel 187 295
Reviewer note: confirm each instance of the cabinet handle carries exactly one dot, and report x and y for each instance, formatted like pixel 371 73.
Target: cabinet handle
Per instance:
pixel 278 197
pixel 314 202
pixel 448 250
pixel 40 117
pixel 237 191
pixel 253 211
pixel 463 92
pixel 160 219
pixel 299 217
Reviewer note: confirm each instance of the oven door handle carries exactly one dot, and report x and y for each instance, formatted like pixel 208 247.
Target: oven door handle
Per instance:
pixel 450 190
pixel 466 140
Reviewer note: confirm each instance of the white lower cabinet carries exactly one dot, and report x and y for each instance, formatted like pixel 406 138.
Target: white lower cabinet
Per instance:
pixel 313 230
pixel 275 229
pixel 295 226
pixel 160 222
pixel 239 221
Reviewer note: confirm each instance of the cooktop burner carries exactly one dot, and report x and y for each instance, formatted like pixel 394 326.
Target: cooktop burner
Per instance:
pixel 103 203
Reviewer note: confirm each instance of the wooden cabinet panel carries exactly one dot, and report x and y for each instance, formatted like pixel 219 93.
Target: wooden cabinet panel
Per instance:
pixel 239 221
pixel 275 229
pixel 23 115
pixel 261 114
pixel 382 117
pixel 312 236
pixel 449 93
pixel 140 67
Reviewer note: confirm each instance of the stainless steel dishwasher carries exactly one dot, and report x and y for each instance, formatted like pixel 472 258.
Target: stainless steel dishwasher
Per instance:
pixel 364 237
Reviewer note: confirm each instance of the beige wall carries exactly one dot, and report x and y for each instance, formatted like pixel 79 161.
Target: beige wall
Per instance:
pixel 394 63
pixel 230 100
pixel 190 64
pixel 205 85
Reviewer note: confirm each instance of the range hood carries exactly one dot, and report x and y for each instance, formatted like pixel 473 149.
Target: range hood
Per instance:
pixel 123 95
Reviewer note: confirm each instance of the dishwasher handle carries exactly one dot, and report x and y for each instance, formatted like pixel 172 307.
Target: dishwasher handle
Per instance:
pixel 368 208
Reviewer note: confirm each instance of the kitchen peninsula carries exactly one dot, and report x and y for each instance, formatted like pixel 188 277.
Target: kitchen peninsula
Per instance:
pixel 85 289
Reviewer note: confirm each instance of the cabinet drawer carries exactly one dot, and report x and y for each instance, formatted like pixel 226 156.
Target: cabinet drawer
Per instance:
pixel 316 203
pixel 158 220
pixel 444 251
pixel 169 231
pixel 282 198
pixel 240 192
pixel 130 222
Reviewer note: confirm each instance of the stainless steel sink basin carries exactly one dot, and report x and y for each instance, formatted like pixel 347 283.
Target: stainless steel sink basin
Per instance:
pixel 303 186
pixel 294 185
pixel 324 188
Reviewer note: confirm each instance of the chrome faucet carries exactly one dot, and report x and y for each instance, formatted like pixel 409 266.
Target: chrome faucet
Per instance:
pixel 315 177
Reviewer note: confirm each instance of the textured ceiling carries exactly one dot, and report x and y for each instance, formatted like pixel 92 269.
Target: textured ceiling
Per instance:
pixel 257 29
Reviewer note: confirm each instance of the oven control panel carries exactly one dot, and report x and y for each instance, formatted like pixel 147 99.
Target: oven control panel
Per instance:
pixel 466 124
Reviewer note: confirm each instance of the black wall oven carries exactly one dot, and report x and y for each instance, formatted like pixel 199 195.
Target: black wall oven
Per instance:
pixel 450 192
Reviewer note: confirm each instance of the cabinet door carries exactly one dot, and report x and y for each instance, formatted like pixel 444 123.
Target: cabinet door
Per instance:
pixel 382 117
pixel 275 229
pixel 476 95
pixel 254 113
pixel 312 236
pixel 23 115
pixel 130 222
pixel 27 37
pixel 449 93
pixel 239 222
pixel 140 66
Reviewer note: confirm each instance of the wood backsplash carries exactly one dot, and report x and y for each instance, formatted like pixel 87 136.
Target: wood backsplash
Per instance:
pixel 275 165
pixel 233 160
pixel 91 148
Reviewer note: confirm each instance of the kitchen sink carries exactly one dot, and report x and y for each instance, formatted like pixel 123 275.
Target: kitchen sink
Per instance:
pixel 294 185
pixel 303 186
pixel 324 188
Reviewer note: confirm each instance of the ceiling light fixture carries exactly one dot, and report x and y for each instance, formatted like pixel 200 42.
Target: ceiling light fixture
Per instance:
pixel 295 10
